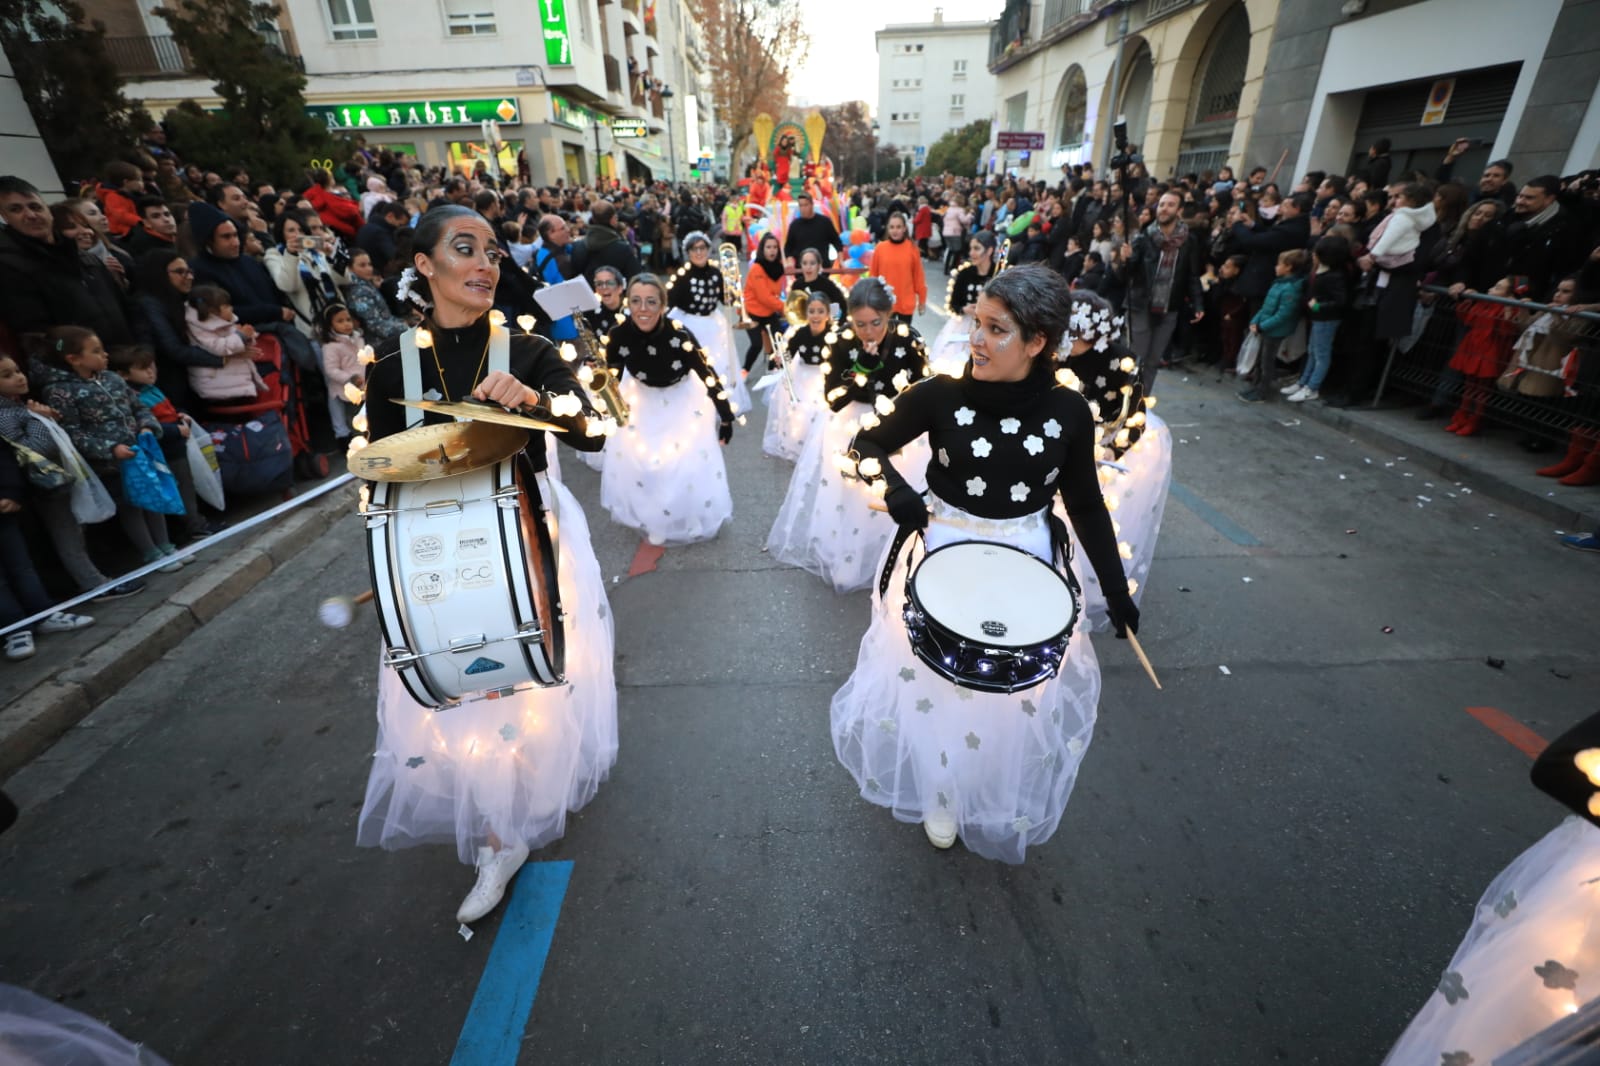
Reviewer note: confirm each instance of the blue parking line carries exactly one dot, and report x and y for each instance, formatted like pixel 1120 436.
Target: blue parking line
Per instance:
pixel 492 1034
pixel 1213 517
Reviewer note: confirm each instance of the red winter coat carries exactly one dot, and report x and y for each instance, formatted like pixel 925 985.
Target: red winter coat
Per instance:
pixel 922 225
pixel 121 214
pixel 341 215
pixel 1486 348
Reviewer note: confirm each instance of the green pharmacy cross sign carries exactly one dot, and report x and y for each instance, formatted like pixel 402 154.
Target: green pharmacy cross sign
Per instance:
pixel 557 44
pixel 411 114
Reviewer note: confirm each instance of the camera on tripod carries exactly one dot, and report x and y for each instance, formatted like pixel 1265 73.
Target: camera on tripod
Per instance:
pixel 1119 134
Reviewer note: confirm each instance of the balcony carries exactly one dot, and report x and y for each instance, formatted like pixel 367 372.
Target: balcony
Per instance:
pixel 1059 11
pixel 613 75
pixel 1009 36
pixel 159 55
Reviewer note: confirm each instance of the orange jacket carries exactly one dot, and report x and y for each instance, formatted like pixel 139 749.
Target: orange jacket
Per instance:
pixel 763 295
pixel 121 214
pixel 901 266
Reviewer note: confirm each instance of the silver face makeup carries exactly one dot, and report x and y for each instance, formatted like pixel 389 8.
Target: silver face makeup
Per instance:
pixel 463 271
pixel 998 353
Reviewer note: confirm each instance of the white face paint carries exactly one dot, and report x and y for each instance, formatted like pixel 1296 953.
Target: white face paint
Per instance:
pixel 999 352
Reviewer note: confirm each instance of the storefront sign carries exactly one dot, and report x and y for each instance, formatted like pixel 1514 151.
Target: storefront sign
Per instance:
pixel 557 45
pixel 577 116
pixel 1027 142
pixel 1438 101
pixel 628 129
pixel 406 114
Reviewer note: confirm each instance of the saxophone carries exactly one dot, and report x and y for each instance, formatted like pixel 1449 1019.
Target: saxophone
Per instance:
pixel 603 380
pixel 732 282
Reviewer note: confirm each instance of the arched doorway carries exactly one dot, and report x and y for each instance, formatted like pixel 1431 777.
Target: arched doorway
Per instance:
pixel 1072 119
pixel 1134 100
pixel 1214 97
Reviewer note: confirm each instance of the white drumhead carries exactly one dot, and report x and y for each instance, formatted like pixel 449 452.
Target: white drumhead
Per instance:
pixel 993 594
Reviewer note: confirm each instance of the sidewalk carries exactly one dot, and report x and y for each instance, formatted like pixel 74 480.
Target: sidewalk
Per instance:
pixel 1490 463
pixel 71 673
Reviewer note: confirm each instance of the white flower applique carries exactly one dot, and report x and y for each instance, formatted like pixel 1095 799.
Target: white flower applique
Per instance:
pixel 1010 425
pixel 677 364
pixel 944 457
pixel 981 448
pixel 964 416
pixel 975 486
pixel 1019 491
pixel 1033 444
pixel 1052 429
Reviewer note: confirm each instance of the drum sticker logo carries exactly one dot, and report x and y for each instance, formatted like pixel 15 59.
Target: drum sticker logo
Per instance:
pixel 476 576
pixel 427 548
pixel 994 629
pixel 472 544
pixel 427 587
pixel 482 665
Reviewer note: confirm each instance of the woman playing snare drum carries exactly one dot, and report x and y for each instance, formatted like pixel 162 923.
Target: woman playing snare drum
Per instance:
pixel 994 769
pixel 494 776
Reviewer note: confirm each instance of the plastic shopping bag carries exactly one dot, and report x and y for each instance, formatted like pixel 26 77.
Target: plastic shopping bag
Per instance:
pixel 91 502
pixel 203 464
pixel 1249 354
pixel 147 481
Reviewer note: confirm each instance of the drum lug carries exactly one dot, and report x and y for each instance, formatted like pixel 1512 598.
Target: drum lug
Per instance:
pixel 530 632
pixel 471 642
pixel 396 657
pixel 441 508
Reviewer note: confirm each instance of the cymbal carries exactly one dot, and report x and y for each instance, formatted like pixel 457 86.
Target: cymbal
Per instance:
pixel 444 450
pixel 473 411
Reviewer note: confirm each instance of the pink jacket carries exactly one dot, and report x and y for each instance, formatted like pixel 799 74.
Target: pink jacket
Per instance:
pixel 237 378
pixel 340 362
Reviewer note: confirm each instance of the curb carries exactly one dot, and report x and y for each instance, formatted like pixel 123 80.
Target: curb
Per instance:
pixel 1558 513
pixel 30 724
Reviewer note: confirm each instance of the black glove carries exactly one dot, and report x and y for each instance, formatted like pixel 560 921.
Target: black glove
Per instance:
pixel 1124 615
pixel 907 507
pixel 725 432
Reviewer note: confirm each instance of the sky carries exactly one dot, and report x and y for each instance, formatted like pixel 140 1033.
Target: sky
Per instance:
pixel 843 61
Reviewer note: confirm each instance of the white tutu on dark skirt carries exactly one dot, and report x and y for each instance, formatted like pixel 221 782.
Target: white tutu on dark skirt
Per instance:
pixel 512 766
pixel 1002 766
pixel 715 335
pixel 1527 961
pixel 825 525
pixel 789 420
pixel 664 473
pixel 952 348
pixel 1137 500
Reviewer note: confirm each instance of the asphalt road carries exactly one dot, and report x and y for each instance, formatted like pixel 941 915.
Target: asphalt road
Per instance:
pixel 1266 864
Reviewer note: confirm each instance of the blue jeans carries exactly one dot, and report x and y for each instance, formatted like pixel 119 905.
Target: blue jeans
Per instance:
pixel 21 591
pixel 1319 353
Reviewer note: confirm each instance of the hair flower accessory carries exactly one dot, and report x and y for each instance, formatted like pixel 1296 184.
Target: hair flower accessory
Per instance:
pixel 404 290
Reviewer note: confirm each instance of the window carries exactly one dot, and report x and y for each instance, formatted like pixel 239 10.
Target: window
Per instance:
pixel 919 48
pixel 468 18
pixel 351 20
pixel 961 68
pixel 958 101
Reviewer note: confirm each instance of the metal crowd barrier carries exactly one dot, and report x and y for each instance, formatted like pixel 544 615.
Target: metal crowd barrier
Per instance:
pixel 1420 365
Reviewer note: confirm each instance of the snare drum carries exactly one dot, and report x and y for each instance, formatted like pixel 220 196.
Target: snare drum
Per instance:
pixel 989 616
pixel 464 575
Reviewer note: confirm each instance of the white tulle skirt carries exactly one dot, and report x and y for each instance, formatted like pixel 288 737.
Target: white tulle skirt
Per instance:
pixel 789 420
pixel 1137 500
pixel 1527 962
pixel 36 1032
pixel 1002 765
pixel 715 334
pixel 512 766
pixel 664 473
pixel 825 524
pixel 952 347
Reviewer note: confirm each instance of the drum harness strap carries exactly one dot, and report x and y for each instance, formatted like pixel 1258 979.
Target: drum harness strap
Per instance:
pixel 1059 538
pixel 411 366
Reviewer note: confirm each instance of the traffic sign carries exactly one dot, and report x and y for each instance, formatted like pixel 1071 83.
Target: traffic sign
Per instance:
pixel 921 155
pixel 1026 142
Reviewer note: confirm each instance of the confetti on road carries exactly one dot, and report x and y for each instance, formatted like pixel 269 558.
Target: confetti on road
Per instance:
pixel 1388 629
pixel 1247 580
pixel 466 934
pixel 1225 671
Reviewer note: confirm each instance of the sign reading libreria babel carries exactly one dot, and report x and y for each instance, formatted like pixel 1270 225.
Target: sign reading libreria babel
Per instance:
pixel 411 114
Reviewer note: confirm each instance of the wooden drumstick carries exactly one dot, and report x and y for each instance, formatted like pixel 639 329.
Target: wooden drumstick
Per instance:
pixel 336 612
pixel 1133 639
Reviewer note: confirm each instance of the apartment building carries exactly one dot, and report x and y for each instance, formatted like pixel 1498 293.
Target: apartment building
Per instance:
pixel 932 79
pixel 614 88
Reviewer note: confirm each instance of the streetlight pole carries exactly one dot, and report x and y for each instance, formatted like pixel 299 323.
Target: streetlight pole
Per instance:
pixel 672 148
pixel 875 129
pixel 598 176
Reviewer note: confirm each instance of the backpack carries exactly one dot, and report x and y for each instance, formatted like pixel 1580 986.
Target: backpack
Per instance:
pixel 253 457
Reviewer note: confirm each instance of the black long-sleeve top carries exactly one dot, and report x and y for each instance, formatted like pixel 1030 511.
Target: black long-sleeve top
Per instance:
pixel 1101 376
pixel 660 359
pixel 600 320
pixel 965 284
pixel 854 375
pixel 697 290
pixel 810 348
pixel 534 361
pixel 824 285
pixel 1002 450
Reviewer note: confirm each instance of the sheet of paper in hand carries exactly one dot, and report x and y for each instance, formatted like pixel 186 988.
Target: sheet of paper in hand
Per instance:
pixel 567 298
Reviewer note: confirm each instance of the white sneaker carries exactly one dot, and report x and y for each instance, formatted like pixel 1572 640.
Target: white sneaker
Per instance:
pixel 19 646
pixel 1291 388
pixel 62 622
pixel 495 871
pixel 940 827
pixel 1303 395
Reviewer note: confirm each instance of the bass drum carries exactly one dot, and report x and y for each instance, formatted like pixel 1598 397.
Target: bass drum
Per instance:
pixel 464 576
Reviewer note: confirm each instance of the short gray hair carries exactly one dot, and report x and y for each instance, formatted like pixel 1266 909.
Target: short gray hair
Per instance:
pixel 1038 299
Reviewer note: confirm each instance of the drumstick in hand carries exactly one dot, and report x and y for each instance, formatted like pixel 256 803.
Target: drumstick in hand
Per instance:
pixel 336 612
pixel 1144 660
